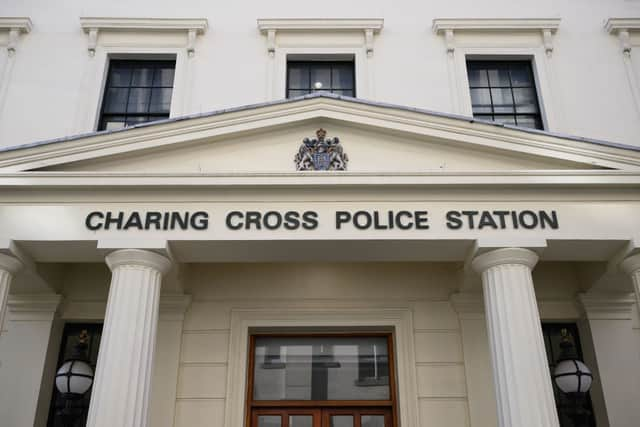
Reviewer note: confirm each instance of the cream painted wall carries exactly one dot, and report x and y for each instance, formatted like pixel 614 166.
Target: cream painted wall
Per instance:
pixel 53 74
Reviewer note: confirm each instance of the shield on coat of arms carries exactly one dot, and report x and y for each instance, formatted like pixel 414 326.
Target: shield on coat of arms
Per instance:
pixel 321 161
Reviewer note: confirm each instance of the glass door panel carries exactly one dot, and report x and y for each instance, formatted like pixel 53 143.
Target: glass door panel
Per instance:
pixel 341 421
pixel 269 421
pixel 300 420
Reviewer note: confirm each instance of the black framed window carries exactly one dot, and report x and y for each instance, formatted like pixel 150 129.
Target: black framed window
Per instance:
pixel 137 91
pixel 304 77
pixel 70 336
pixel 573 411
pixel 504 92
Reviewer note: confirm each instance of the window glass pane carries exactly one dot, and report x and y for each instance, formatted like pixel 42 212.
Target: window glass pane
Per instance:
pixel 160 100
pixel 321 76
pixel 341 421
pixel 498 76
pixel 119 76
pixel 163 77
pixel 506 120
pixel 480 101
pixel 488 117
pixel 521 75
pixel 134 120
pixel 269 421
pixel 321 368
pixel 526 100
pixel 478 77
pixel 298 77
pixel 529 122
pixel 114 123
pixel 142 76
pixel 295 93
pixel 300 421
pixel 342 76
pixel 138 100
pixel 502 100
pixel 116 100
pixel 343 92
pixel 372 421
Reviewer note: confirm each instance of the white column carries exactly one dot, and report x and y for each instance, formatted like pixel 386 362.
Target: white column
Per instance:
pixel 521 376
pixel 631 266
pixel 9 266
pixel 122 385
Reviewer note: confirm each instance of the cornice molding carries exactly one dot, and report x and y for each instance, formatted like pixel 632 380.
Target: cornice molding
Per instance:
pixel 468 305
pixel 369 26
pixel 547 27
pixel 476 179
pixel 174 306
pixel 192 26
pixel 33 306
pixel 173 132
pixel 441 25
pixel 607 306
pixel 15 26
pixel 305 24
pixel 144 24
pixel 615 25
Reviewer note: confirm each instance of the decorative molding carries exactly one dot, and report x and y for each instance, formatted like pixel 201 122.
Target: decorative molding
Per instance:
pixel 25 307
pixel 10 264
pixel 288 112
pixel 622 28
pixel 369 27
pixel 138 258
pixel 398 320
pixel 614 25
pixel 449 26
pixel 174 306
pixel 607 306
pixel 192 26
pixel 504 256
pixel 495 24
pixel 468 305
pixel 15 27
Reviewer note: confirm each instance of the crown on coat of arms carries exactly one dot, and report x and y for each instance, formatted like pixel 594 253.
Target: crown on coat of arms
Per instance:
pixel 321 153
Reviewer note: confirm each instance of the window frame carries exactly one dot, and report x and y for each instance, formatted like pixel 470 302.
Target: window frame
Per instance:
pixel 505 64
pixel 331 60
pixel 156 61
pixel 277 89
pixel 252 405
pixel 541 74
pixel 89 109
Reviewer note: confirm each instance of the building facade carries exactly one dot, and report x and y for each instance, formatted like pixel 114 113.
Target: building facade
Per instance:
pixel 257 215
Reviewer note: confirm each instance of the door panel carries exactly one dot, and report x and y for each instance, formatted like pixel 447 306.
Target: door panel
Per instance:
pixel 321 417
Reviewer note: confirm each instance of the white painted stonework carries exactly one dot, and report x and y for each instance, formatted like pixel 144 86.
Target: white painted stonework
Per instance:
pixel 457 236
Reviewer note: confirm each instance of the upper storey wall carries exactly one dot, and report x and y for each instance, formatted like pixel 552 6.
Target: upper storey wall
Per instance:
pixel 50 86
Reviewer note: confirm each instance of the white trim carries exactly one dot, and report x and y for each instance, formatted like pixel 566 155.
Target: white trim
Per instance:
pixel 305 30
pixel 538 49
pixel 492 24
pixel 399 319
pixel 23 24
pixel 140 24
pixel 601 179
pixel 360 63
pixel 607 306
pixel 94 81
pixel 614 25
pixel 286 113
pixel 30 307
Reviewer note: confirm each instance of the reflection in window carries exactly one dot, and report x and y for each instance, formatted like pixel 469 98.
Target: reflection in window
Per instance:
pixel 321 368
pixel 136 92
pixel 304 77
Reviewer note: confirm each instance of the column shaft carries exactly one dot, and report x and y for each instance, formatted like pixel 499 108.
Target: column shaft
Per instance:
pixel 522 380
pixel 122 384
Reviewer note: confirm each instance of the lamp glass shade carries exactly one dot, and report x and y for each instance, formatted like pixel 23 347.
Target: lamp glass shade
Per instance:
pixel 573 376
pixel 74 377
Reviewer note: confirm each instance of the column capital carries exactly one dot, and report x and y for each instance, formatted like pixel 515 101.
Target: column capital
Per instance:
pixel 10 264
pixel 138 257
pixel 504 256
pixel 631 264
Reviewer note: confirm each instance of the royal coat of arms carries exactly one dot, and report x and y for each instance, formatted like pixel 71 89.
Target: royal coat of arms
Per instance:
pixel 321 154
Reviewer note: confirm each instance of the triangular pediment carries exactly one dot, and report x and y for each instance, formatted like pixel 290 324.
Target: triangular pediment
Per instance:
pixel 265 138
